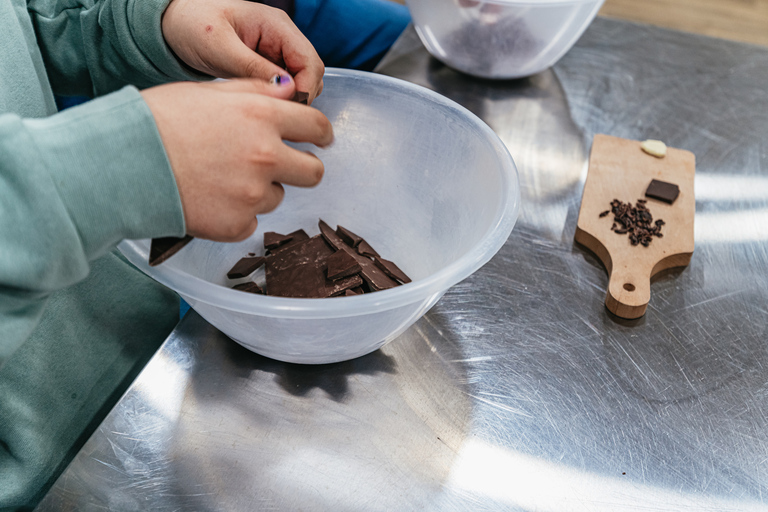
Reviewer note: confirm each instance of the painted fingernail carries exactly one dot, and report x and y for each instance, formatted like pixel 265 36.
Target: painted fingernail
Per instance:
pixel 280 80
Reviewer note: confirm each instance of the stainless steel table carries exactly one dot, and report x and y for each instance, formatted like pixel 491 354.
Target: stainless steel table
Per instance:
pixel 518 390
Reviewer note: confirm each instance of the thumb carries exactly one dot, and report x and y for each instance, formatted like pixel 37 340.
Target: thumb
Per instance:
pixel 279 86
pixel 241 61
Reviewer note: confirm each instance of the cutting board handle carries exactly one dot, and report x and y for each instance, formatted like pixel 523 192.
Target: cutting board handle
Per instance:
pixel 629 291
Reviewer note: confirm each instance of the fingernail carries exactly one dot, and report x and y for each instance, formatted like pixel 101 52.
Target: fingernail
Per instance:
pixel 280 80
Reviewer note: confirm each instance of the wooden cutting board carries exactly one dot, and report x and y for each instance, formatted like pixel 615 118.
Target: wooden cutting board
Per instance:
pixel 620 169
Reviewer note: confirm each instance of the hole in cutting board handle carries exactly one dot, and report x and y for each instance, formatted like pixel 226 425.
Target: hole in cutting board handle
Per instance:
pixel 629 287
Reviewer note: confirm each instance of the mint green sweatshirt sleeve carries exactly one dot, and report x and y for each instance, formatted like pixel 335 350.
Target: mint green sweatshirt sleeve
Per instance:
pixel 92 47
pixel 72 186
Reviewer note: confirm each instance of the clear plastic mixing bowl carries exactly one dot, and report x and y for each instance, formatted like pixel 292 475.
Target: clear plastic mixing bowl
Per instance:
pixel 501 38
pixel 422 179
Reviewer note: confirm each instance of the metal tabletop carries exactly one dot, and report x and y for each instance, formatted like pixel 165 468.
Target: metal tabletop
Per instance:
pixel 518 390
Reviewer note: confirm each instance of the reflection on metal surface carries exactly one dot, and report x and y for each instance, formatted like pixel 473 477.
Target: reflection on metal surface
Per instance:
pixel 514 480
pixel 518 390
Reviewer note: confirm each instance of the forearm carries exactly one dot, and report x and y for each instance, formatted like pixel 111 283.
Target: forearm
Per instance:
pixel 77 183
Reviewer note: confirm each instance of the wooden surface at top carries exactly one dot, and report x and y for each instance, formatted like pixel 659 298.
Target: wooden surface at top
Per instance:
pixel 739 20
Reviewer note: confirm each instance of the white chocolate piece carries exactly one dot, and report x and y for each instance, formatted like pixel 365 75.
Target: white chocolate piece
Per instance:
pixel 654 147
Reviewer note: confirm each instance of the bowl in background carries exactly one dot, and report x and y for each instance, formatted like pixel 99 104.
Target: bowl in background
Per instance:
pixel 501 38
pixel 423 180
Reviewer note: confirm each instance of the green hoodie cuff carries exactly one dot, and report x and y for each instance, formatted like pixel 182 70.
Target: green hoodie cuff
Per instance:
pixel 109 165
pixel 147 32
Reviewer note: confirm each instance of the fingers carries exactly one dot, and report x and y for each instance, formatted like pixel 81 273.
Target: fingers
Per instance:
pixel 299 168
pixel 299 123
pixel 294 122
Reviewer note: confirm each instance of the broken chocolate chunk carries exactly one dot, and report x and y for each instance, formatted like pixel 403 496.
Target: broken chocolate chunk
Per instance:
pixel 372 275
pixel 301 97
pixel 341 264
pixel 297 236
pixel 349 237
pixel 245 266
pixel 365 249
pixel 299 271
pixel 274 240
pixel 163 248
pixel 391 269
pixel 663 191
pixel 326 265
pixel 249 287
pixel 347 283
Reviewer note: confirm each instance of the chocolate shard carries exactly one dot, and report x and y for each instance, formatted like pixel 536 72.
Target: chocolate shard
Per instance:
pixel 297 236
pixel 274 240
pixel 299 271
pixel 375 278
pixel 163 248
pixel 365 249
pixel 249 287
pixel 341 286
pixel 391 269
pixel 663 191
pixel 301 97
pixel 245 267
pixel 350 292
pixel 349 237
pixel 341 264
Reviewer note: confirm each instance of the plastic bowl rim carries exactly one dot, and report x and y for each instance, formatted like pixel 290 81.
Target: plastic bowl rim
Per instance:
pixel 200 290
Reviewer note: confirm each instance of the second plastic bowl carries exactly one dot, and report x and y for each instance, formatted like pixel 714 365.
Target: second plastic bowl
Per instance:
pixel 501 38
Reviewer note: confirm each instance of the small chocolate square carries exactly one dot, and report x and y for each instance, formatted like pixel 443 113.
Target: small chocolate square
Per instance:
pixel 341 264
pixel 163 248
pixel 274 240
pixel 392 270
pixel 297 236
pixel 249 287
pixel 245 267
pixel 301 97
pixel 663 191
pixel 374 277
pixel 349 237
pixel 365 249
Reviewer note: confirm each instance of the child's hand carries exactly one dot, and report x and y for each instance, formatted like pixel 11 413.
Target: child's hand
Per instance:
pixel 225 144
pixel 237 39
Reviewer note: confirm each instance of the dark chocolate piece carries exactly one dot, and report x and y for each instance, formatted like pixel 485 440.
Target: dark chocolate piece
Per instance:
pixel 391 269
pixel 297 236
pixel 301 97
pixel 365 249
pixel 249 287
pixel 163 248
pixel 245 266
pixel 351 292
pixel 663 191
pixel 274 240
pixel 372 275
pixel 349 237
pixel 341 264
pixel 341 286
pixel 299 271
